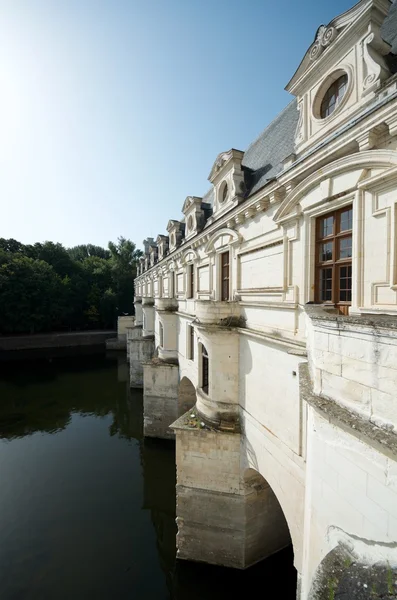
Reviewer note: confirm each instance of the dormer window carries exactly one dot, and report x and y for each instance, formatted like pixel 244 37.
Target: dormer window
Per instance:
pixel 333 96
pixel 190 224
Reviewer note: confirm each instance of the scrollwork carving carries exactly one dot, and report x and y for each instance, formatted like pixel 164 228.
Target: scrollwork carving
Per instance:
pixel 325 37
pixel 375 68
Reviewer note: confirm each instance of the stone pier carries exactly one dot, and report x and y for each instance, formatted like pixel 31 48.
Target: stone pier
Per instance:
pixel 161 375
pixel 225 515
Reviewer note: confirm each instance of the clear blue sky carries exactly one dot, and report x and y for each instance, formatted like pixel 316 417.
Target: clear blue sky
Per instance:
pixel 113 111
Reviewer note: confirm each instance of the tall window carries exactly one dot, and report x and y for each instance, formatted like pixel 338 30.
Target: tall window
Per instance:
pixel 190 283
pixel 161 332
pixel 173 291
pixel 225 276
pixel 190 342
pixel 334 258
pixel 205 376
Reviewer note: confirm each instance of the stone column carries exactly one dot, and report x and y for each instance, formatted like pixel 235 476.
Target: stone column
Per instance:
pixel 161 376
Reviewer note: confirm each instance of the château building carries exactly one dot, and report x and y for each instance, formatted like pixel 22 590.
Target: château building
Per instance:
pixel 266 327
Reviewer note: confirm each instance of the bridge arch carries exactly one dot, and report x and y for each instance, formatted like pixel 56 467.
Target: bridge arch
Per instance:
pixel 267 527
pixel 186 396
pixel 282 474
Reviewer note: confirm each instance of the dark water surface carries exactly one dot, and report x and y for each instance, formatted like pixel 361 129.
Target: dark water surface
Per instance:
pixel 87 506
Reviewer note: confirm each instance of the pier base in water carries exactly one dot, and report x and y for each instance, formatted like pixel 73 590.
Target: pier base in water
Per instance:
pixel 160 398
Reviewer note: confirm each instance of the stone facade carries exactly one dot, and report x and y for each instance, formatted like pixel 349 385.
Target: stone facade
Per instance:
pixel 266 323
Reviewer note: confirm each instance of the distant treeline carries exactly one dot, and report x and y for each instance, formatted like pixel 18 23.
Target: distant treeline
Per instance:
pixel 46 287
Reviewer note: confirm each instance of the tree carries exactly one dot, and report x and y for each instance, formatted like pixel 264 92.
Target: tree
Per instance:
pixel 46 287
pixel 124 259
pixel 80 253
pixel 30 295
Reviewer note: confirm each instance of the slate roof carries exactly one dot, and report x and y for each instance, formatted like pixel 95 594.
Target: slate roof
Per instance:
pixel 389 28
pixel 263 158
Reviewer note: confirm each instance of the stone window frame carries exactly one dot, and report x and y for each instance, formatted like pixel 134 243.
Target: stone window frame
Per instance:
pixel 161 335
pixel 342 69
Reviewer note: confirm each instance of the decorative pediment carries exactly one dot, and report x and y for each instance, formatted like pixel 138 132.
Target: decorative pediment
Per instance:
pixel 366 17
pixel 191 201
pixel 189 256
pixel 356 165
pixel 161 239
pixel 222 160
pixel 172 225
pixel 222 238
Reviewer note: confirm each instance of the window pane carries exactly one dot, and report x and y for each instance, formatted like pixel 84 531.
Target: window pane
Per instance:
pixel 327 226
pixel 326 251
pixel 346 220
pixel 345 247
pixel 326 285
pixel 345 283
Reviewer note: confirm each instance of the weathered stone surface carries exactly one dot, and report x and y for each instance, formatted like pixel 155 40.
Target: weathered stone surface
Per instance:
pixel 141 350
pixel 341 577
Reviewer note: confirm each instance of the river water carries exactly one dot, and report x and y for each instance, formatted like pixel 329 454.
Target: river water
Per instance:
pixel 87 506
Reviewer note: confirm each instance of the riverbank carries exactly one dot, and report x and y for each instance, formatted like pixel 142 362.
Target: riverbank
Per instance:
pixel 19 346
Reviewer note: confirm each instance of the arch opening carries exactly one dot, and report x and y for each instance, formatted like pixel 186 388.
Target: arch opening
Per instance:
pixel 267 531
pixel 186 396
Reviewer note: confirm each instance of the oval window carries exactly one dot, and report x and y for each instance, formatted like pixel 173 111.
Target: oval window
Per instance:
pixel 190 223
pixel 333 96
pixel 224 193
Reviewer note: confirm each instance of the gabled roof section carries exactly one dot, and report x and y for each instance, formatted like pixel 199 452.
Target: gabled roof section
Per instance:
pixel 264 157
pixel 222 160
pixel 337 29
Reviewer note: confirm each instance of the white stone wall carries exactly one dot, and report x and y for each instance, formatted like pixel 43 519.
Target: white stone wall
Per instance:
pixel 356 365
pixel 351 498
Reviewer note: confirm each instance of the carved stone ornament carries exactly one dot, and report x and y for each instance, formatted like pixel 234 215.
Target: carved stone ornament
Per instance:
pixel 325 37
pixel 222 158
pixel 375 67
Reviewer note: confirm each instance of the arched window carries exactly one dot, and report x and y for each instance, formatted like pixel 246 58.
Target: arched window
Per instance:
pixel 161 332
pixel 333 96
pixel 205 369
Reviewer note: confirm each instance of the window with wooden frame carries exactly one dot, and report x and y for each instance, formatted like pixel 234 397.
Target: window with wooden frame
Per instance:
pixel 190 283
pixel 225 266
pixel 334 243
pixel 173 283
pixel 205 369
pixel 190 342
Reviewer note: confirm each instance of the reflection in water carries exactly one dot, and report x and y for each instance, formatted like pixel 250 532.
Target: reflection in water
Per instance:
pixel 87 507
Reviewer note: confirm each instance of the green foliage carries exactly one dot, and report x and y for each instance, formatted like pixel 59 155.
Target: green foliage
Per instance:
pixel 46 287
